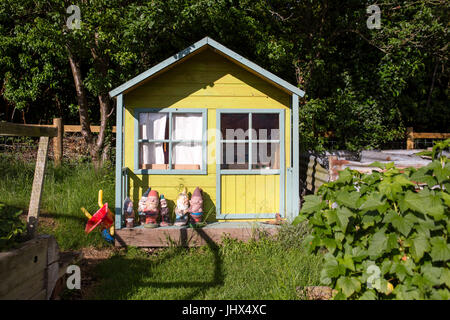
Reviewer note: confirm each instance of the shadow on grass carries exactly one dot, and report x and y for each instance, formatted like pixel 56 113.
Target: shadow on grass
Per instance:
pixel 131 269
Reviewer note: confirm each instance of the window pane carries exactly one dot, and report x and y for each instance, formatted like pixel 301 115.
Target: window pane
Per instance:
pixel 187 126
pixel 234 126
pixel 265 126
pixel 187 156
pixel 266 155
pixel 234 156
pixel 153 155
pixel 153 126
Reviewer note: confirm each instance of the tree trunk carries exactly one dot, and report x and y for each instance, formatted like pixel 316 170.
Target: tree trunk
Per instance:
pixel 101 65
pixel 432 85
pixel 83 108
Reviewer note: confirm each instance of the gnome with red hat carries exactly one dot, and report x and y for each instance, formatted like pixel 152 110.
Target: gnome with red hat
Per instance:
pixel 141 206
pixel 196 206
pixel 151 210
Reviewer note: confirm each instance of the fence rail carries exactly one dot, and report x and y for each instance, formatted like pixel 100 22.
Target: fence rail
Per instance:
pixel 55 131
pixel 27 130
pixel 411 135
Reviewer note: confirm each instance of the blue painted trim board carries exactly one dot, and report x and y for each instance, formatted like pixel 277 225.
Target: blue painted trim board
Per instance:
pixel 119 156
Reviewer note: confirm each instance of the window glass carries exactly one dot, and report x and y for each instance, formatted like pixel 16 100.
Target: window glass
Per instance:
pixel 234 156
pixel 266 155
pixel 187 156
pixel 153 155
pixel 234 126
pixel 153 126
pixel 265 126
pixel 186 127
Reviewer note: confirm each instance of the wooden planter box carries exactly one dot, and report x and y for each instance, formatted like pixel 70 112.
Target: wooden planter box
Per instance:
pixel 30 271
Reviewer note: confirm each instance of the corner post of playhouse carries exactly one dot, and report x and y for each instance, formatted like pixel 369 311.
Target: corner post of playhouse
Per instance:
pixel 296 157
pixel 119 157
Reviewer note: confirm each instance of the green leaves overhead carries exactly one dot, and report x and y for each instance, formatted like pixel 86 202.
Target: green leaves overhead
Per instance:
pixel 385 221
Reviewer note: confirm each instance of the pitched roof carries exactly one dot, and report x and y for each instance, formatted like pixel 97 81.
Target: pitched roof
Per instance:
pixel 233 56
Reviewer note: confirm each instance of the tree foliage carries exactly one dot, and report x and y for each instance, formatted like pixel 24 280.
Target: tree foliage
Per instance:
pixel 364 85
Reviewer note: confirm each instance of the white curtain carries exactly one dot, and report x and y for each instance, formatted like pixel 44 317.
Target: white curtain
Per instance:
pixel 187 126
pixel 153 127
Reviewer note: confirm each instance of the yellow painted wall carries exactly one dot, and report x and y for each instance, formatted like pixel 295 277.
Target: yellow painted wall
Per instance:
pixel 250 194
pixel 206 80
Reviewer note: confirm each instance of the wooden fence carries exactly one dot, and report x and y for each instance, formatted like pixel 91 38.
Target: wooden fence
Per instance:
pixel 59 134
pixel 411 135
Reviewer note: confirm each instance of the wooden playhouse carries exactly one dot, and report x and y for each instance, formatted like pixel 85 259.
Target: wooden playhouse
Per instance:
pixel 207 117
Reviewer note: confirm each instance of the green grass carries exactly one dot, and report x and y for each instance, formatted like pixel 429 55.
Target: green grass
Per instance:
pixel 66 190
pixel 264 269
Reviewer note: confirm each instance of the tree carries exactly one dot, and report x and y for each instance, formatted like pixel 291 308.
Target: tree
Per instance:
pixel 37 47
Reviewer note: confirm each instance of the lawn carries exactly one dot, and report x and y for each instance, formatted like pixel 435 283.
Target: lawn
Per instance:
pixel 66 190
pixel 264 269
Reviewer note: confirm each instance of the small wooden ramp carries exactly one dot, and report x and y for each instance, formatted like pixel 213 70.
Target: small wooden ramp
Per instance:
pixel 193 237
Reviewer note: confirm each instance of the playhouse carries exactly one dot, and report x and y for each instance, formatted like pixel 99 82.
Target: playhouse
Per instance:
pixel 207 117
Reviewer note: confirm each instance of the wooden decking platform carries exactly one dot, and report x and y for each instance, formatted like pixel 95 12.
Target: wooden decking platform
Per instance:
pixel 212 233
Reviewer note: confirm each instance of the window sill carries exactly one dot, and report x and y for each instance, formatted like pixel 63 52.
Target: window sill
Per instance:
pixel 170 172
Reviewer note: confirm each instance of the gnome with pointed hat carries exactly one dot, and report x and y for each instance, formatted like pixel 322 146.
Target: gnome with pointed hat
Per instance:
pixel 165 216
pixel 181 210
pixel 196 206
pixel 128 213
pixel 141 206
pixel 151 210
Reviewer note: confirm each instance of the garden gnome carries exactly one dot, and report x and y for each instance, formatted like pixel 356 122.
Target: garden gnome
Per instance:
pixel 181 210
pixel 165 218
pixel 128 213
pixel 196 206
pixel 141 206
pixel 151 210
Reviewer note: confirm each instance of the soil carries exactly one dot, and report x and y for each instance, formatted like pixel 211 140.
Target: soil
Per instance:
pixel 89 258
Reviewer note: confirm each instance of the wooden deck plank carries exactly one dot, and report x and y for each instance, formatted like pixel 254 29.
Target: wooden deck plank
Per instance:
pixel 189 237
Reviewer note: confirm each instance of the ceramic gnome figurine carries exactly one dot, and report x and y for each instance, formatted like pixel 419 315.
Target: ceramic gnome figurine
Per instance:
pixel 196 206
pixel 141 206
pixel 181 210
pixel 165 217
pixel 128 213
pixel 151 210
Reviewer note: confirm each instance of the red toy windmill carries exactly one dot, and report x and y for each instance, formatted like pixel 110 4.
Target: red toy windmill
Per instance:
pixel 100 217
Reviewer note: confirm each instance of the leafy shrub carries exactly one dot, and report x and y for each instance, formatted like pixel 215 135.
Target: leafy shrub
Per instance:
pixel 385 233
pixel 12 228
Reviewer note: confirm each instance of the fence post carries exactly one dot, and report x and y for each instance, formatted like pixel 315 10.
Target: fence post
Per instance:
pixel 58 141
pixel 410 138
pixel 38 183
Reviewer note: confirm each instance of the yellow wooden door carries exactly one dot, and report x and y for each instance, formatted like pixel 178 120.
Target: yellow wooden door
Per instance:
pixel 247 186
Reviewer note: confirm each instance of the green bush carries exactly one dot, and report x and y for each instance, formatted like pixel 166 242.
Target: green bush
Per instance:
pixel 12 228
pixel 385 233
